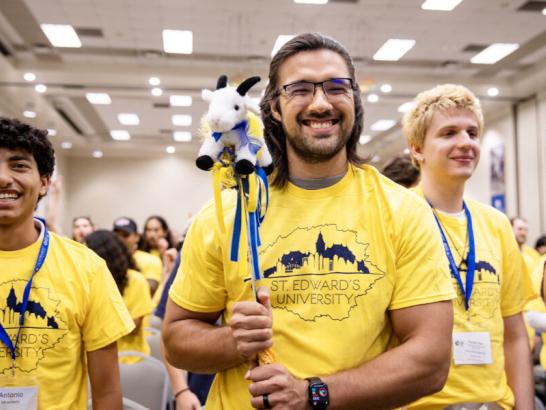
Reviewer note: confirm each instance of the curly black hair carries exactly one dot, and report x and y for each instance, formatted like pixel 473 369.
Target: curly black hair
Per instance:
pixel 17 135
pixel 109 247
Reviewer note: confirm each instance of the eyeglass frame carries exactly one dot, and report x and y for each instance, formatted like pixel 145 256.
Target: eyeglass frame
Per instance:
pixel 315 84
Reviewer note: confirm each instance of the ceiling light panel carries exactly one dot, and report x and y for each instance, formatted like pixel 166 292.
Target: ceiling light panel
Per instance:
pixel 61 35
pixel 180 100
pixel 495 52
pixel 394 49
pixel 98 98
pixel 178 41
pixel 120 135
pixel 440 5
pixel 181 120
pixel 281 40
pixel 182 136
pixel 382 125
pixel 128 119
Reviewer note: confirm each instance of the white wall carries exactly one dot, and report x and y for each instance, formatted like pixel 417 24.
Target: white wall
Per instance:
pixel 106 188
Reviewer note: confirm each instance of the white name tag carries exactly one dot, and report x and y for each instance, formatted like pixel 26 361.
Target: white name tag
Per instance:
pixel 472 348
pixel 20 398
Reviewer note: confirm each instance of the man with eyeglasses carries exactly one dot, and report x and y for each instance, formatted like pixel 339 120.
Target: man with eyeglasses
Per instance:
pixel 354 302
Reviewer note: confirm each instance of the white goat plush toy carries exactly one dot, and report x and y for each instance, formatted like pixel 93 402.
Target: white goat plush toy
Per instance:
pixel 228 119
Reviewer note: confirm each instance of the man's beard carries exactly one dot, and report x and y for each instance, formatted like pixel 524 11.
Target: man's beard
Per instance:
pixel 313 153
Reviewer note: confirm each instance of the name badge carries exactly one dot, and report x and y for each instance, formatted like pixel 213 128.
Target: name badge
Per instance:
pixel 19 397
pixel 472 348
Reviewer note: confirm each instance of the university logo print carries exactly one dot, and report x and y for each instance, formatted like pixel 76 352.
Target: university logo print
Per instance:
pixel 43 329
pixel 319 272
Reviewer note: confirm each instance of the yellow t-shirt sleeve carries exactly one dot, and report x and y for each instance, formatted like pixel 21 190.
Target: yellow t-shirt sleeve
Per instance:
pixel 107 318
pixel 137 296
pixel 199 284
pixel 422 273
pixel 516 285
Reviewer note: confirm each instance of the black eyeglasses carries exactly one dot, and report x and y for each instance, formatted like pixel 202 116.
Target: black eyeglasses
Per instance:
pixel 333 87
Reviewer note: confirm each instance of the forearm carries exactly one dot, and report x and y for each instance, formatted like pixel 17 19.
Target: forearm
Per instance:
pixel 109 401
pixel 200 347
pixel 518 365
pixel 397 377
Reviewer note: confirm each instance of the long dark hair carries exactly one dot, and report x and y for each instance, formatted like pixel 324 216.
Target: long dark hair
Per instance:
pixel 143 244
pixel 273 131
pixel 109 247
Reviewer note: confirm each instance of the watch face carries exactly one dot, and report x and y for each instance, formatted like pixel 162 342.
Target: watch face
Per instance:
pixel 319 394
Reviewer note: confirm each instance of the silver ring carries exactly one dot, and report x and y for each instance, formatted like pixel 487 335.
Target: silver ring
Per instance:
pixel 265 398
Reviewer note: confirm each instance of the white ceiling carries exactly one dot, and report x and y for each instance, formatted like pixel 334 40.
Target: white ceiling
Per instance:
pixel 235 37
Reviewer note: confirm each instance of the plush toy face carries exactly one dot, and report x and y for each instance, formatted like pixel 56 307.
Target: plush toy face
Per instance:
pixel 227 108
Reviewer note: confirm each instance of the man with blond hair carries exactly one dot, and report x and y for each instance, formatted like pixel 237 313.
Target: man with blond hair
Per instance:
pixel 491 363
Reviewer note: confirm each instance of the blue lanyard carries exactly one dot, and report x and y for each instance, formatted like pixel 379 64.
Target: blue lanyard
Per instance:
pixel 4 337
pixel 471 258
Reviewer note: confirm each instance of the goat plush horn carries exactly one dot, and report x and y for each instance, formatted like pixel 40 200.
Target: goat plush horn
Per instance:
pixel 222 82
pixel 247 85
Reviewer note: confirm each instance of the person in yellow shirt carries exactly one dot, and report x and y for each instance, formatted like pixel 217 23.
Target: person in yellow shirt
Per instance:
pixel 149 265
pixel 61 312
pixel 157 236
pixel 353 300
pixel 491 362
pixel 521 230
pixel 131 284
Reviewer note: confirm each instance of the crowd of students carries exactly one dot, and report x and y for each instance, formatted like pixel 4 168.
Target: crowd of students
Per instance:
pixel 373 296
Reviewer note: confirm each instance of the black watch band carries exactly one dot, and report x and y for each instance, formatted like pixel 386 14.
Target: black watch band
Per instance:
pixel 319 397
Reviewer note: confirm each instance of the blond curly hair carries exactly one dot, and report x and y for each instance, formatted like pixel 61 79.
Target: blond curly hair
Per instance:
pixel 440 98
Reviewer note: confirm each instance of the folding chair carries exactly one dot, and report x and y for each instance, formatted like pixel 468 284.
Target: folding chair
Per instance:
pixel 154 340
pixel 145 382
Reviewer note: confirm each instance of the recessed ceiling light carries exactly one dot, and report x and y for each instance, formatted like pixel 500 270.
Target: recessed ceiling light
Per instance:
pixel 154 81
pixel 442 5
pixel 182 120
pixel 157 92
pixel 494 53
pixel 98 98
pixel 29 114
pixel 364 139
pixel 98 153
pixel 544 11
pixel 178 41
pixel 492 91
pixel 373 98
pixel 170 149
pixel 51 132
pixel 40 88
pixel 281 40
pixel 386 88
pixel 382 125
pixel 406 151
pixel 180 100
pixel 128 119
pixel 120 135
pixel 66 145
pixel 394 49
pixel 376 158
pixel 61 35
pixel 29 77
pixel 311 1
pixel 182 136
pixel 406 106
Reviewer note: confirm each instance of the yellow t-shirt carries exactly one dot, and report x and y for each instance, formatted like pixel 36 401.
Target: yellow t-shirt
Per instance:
pixel 74 308
pixel 136 296
pixel 531 256
pixel 149 265
pixel 336 261
pixel 501 289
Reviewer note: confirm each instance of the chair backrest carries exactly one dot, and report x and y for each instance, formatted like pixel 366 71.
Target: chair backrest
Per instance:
pixel 145 382
pixel 154 341
pixel 155 322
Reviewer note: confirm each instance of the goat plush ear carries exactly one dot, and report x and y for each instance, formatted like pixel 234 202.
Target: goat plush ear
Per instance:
pixel 222 82
pixel 252 105
pixel 247 85
pixel 207 95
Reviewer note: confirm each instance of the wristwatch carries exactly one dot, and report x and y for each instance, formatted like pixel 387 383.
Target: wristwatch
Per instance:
pixel 319 398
